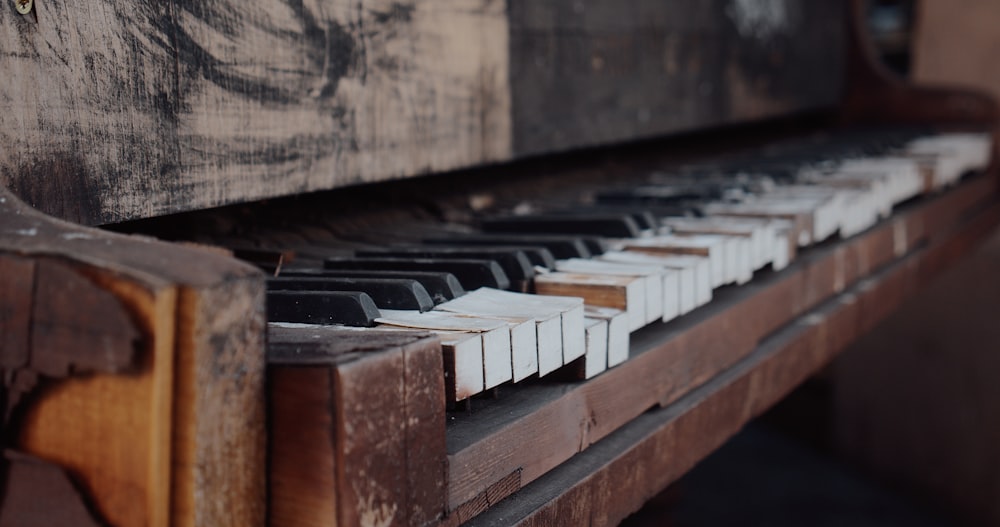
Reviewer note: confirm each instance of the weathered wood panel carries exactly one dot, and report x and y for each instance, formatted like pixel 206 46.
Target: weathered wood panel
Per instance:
pixel 595 72
pixel 126 110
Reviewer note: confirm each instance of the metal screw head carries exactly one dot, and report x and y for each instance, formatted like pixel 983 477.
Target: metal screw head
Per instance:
pixel 24 6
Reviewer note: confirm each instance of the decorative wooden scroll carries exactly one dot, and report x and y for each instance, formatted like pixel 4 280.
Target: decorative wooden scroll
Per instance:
pixel 134 366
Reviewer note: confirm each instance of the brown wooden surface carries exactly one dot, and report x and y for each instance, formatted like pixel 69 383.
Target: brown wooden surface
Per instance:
pixel 668 360
pixel 956 44
pixel 876 95
pixel 174 437
pixel 40 494
pixel 124 110
pixel 613 478
pixel 930 429
pixel 357 433
pixel 596 72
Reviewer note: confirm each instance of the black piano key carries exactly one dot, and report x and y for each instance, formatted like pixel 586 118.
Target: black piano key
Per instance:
pixel 388 293
pixel 610 225
pixel 318 307
pixel 645 219
pixel 471 273
pixel 441 286
pixel 561 247
pixel 513 261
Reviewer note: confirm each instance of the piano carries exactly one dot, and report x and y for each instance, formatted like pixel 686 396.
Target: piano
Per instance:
pixel 436 263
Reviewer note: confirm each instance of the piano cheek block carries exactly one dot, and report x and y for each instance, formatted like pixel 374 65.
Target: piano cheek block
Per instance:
pixel 357 418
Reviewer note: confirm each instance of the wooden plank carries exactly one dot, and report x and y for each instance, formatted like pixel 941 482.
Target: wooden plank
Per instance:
pixel 361 433
pixel 612 479
pixel 667 361
pixel 179 438
pixel 587 73
pixel 131 111
pixel 136 110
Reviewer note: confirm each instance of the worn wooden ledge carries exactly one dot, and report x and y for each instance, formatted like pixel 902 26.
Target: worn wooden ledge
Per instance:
pixel 615 476
pixel 487 453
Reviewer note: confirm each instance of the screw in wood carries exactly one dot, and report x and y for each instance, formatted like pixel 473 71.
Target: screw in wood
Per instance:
pixel 24 6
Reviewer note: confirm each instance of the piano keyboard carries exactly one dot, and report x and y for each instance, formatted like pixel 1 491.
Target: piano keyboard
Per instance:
pixel 537 287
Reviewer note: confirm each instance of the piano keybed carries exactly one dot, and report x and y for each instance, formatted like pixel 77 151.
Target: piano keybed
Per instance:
pixel 553 286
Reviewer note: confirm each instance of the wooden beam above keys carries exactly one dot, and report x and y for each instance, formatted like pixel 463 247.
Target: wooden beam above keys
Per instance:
pixel 247 101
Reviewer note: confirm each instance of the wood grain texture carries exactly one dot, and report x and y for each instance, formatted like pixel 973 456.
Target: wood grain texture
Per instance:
pixel 177 439
pixel 302 490
pixel 359 439
pixel 668 362
pixel 612 479
pixel 130 110
pixel 589 73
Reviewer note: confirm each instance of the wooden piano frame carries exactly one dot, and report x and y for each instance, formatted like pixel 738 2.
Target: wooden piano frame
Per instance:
pixel 134 376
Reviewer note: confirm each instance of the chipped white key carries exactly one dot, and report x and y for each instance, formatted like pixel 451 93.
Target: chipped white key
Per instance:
pixel 618 332
pixel 495 334
pixel 621 292
pixel 654 276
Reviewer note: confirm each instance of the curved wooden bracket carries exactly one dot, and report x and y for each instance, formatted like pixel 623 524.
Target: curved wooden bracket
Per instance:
pixel 874 94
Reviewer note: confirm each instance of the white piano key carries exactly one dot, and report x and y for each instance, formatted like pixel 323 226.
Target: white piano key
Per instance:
pixel 798 213
pixel 953 154
pixel 706 246
pixel 618 332
pixel 523 343
pixel 622 292
pixel 749 228
pixel 559 320
pixel 463 362
pixel 695 288
pixel 596 359
pixel 653 276
pixel 495 334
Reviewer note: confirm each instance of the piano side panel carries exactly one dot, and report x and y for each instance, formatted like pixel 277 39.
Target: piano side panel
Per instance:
pixel 596 72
